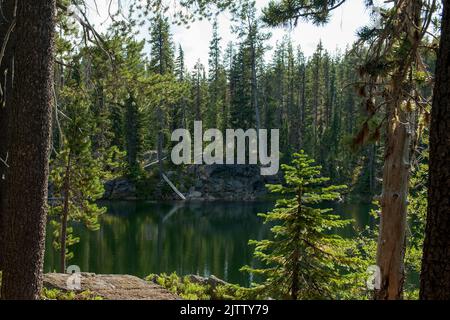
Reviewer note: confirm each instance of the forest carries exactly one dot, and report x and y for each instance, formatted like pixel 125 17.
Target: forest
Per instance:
pixel 87 120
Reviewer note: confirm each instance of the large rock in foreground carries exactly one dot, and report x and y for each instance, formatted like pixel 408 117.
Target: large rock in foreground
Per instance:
pixel 112 287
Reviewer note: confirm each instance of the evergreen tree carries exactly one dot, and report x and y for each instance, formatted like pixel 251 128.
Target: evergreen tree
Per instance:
pixel 179 116
pixel 180 68
pixel 303 259
pixel 161 63
pixel 76 176
pixel 241 112
pixel 434 281
pixel 133 134
pixel 253 49
pixel 217 82
pixel 27 80
pixel 162 49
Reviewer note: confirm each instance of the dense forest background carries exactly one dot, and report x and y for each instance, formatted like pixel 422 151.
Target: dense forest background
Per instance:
pixel 103 107
pixel 134 98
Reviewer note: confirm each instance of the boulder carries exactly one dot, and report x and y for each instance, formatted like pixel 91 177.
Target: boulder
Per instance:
pixel 112 287
pixel 120 189
pixel 212 280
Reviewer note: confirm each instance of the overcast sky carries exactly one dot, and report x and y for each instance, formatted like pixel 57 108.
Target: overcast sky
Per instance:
pixel 340 32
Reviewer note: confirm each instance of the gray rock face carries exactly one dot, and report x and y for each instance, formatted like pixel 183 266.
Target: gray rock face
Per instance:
pixel 120 189
pixel 202 183
pixel 212 281
pixel 228 182
pixel 112 287
pixel 195 195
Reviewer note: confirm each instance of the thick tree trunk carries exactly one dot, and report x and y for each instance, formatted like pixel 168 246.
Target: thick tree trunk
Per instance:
pixel 7 26
pixel 3 168
pixel 435 276
pixel 29 144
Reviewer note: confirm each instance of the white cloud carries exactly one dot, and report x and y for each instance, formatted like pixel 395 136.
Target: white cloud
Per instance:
pixel 337 34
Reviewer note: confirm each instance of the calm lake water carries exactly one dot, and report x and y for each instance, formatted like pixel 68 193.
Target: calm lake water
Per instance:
pixel 140 238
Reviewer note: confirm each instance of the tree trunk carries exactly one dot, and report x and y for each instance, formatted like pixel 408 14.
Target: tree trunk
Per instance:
pixel 391 242
pixel 392 236
pixel 302 108
pixel 435 276
pixel 255 87
pixel 7 41
pixel 29 145
pixel 160 143
pixel 65 216
pixel 296 254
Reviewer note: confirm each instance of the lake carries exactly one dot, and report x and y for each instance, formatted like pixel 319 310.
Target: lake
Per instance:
pixel 140 238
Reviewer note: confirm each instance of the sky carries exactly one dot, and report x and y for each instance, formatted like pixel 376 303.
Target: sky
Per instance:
pixel 339 33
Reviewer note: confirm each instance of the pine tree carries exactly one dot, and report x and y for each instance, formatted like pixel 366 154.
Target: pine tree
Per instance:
pixel 162 49
pixel 303 259
pixel 241 112
pixel 76 176
pixel 29 121
pixel 180 68
pixel 133 133
pixel 199 92
pixel 161 63
pixel 434 279
pixel 253 46
pixel 390 75
pixel 217 81
pixel 179 116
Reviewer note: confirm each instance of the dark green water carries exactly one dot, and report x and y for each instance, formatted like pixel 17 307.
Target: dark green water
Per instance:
pixel 140 238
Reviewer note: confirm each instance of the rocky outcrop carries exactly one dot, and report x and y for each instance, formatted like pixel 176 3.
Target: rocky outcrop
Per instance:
pixel 120 189
pixel 230 182
pixel 211 281
pixel 199 183
pixel 112 287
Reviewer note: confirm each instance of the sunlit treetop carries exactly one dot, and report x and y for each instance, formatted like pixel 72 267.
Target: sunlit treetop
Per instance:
pixel 184 11
pixel 290 12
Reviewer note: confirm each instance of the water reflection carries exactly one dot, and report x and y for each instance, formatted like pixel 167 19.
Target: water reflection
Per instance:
pixel 140 238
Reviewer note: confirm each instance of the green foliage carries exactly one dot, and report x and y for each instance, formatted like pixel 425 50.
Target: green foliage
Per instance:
pixel 181 286
pixel 113 96
pixel 55 294
pixel 417 214
pixel 304 259
pixel 186 289
pixel 286 12
pixel 162 61
pixel 77 173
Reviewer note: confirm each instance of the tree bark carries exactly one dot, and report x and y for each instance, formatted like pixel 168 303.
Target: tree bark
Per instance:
pixel 7 26
pixel 392 235
pixel 29 145
pixel 435 276
pixel 65 215
pixel 255 86
pixel 296 254
pixel 391 242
